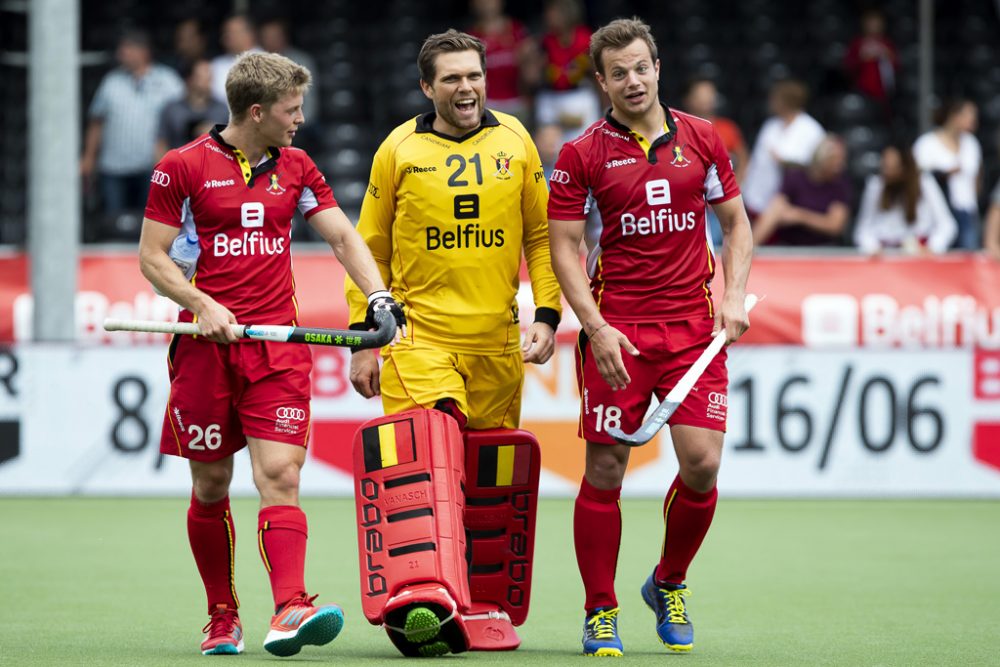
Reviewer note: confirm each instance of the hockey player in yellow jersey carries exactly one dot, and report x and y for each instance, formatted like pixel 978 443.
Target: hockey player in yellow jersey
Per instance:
pixel 456 196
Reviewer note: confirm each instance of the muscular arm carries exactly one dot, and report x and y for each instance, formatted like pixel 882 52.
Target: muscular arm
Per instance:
pixel 737 250
pixel 349 248
pixel 154 262
pixel 91 143
pixel 829 222
pixel 605 341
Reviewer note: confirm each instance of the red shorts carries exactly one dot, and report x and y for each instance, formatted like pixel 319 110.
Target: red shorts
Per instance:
pixel 220 394
pixel 667 350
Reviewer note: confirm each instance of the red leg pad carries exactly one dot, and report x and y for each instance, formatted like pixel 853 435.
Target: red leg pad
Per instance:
pixel 501 490
pixel 409 474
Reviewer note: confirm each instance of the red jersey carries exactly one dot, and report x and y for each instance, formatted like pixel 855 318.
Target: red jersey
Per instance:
pixel 502 66
pixel 654 261
pixel 243 218
pixel 567 64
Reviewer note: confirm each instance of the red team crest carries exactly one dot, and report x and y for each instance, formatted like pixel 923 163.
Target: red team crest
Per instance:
pixel 679 159
pixel 274 188
pixel 502 160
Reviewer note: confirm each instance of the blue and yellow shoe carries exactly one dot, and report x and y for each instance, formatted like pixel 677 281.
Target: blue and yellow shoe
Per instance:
pixel 672 623
pixel 600 634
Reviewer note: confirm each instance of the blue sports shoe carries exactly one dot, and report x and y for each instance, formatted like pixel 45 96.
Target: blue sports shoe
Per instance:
pixel 600 634
pixel 672 623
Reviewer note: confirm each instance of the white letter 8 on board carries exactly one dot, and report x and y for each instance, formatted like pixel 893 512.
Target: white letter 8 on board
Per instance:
pixel 658 192
pixel 252 214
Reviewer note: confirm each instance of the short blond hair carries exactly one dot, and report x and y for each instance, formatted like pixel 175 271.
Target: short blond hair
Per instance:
pixel 263 78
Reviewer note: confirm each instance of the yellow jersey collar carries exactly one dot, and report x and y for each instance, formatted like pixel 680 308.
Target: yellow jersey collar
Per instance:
pixel 250 172
pixel 670 133
pixel 425 124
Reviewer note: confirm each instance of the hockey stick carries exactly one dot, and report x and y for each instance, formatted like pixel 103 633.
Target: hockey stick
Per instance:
pixel 673 400
pixel 358 340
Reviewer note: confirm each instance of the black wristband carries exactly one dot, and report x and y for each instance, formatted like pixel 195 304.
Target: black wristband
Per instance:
pixel 548 316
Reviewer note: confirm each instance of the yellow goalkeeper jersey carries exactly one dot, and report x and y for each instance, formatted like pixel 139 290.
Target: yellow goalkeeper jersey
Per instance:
pixel 446 219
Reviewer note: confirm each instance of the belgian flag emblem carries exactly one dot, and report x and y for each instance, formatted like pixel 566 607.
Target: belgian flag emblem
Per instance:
pixel 504 465
pixel 388 445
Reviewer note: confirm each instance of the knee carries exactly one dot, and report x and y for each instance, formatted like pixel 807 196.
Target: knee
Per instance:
pixel 700 471
pixel 212 484
pixel 605 472
pixel 278 482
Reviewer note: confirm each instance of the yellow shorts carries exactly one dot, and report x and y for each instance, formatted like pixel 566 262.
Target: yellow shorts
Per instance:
pixel 487 389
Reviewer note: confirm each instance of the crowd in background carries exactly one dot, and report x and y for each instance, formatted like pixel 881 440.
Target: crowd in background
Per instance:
pixel 925 197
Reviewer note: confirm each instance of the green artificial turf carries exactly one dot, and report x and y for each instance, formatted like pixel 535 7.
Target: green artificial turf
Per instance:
pixel 112 582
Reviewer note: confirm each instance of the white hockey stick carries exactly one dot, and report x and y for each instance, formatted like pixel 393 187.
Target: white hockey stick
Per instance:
pixel 359 340
pixel 673 400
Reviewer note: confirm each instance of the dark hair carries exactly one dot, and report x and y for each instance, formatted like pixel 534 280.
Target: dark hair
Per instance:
pixel 137 37
pixel 949 108
pixel 187 67
pixel 693 83
pixel 905 190
pixel 792 92
pixel 617 35
pixel 451 41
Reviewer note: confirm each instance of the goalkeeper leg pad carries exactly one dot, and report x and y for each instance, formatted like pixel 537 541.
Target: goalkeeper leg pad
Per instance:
pixel 409 476
pixel 502 467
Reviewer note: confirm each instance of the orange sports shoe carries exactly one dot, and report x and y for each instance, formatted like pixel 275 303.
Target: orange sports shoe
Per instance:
pixel 299 623
pixel 223 632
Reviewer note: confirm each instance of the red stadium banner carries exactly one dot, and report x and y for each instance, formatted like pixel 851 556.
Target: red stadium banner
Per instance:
pixel 817 302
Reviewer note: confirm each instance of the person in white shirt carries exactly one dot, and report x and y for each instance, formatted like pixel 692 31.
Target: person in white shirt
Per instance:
pixel 789 138
pixel 903 208
pixel 952 153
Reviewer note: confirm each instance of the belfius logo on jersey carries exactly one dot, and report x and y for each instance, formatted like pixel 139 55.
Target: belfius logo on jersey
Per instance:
pixel 469 235
pixel 658 220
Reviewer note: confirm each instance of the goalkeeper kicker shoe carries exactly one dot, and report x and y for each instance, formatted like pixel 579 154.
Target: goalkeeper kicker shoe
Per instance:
pixel 600 634
pixel 672 623
pixel 299 623
pixel 223 633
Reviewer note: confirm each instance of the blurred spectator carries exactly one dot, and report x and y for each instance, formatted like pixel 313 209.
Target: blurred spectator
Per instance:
pixel 701 98
pixel 508 50
pixel 121 131
pixel 813 206
pixel 567 97
pixel 871 60
pixel 548 140
pixel 952 154
pixel 182 119
pixel 237 36
pixel 190 45
pixel 991 230
pixel 789 138
pixel 903 208
pixel 274 37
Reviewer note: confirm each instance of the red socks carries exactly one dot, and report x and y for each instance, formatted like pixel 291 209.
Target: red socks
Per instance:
pixel 687 515
pixel 597 534
pixel 281 536
pixel 213 543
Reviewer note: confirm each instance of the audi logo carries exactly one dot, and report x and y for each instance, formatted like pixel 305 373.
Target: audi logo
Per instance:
pixel 160 178
pixel 718 399
pixel 296 414
pixel 559 176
